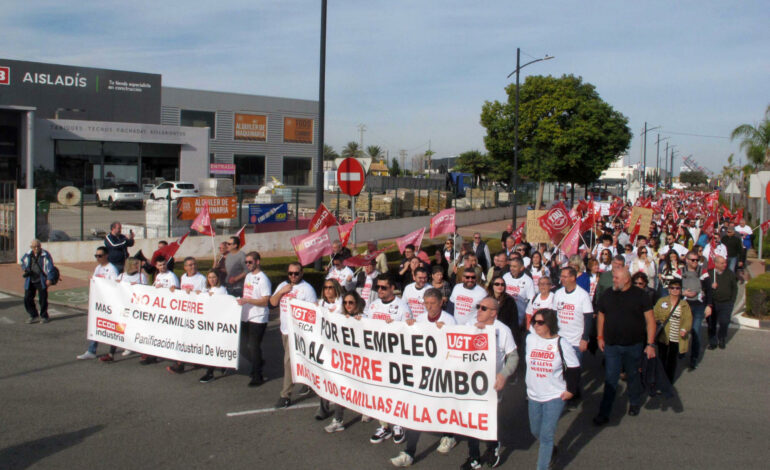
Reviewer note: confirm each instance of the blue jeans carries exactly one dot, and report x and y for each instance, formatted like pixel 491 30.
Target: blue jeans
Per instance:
pixel 92 345
pixel 617 357
pixel 732 263
pixel 698 314
pixel 543 417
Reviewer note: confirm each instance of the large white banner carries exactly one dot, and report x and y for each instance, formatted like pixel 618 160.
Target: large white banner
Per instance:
pixel 196 328
pixel 420 377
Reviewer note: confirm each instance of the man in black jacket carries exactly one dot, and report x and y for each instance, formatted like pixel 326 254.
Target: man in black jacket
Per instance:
pixel 117 245
pixel 725 290
pixel 734 246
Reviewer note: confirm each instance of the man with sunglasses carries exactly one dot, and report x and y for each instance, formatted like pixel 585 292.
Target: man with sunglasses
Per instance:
pixel 481 250
pixel 294 287
pixel 574 310
pixel 696 290
pixel 519 285
pixel 340 272
pixel 365 281
pixel 103 270
pixel 255 313
pixel 413 293
pixel 388 308
pixel 235 265
pixel 465 298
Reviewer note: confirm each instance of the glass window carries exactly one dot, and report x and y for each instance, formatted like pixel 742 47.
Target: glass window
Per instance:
pixel 296 171
pixel 185 186
pixel 249 170
pixel 128 188
pixel 200 119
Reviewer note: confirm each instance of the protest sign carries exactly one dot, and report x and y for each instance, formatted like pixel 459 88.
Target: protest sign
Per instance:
pixel 646 223
pixel 535 233
pixel 420 377
pixel 196 328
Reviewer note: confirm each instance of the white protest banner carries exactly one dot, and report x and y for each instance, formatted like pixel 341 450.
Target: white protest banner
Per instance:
pixel 420 377
pixel 196 328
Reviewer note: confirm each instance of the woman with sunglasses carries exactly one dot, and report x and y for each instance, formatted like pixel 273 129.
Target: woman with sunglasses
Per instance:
pixel 605 261
pixel 644 263
pixel 213 287
pixel 674 319
pixel 537 269
pixel 668 271
pixel 507 311
pixel 641 281
pixel 553 372
pixel 331 296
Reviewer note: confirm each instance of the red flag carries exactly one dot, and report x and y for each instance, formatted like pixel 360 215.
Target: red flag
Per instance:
pixel 708 225
pixel 443 222
pixel 726 212
pixel 765 226
pixel 738 215
pixel 322 218
pixel 572 240
pixel 518 233
pixel 202 222
pixel 169 250
pixel 588 222
pixel 311 246
pixel 241 234
pixel 670 209
pixel 555 222
pixel 362 260
pixel 414 238
pixel 345 230
pixel 582 206
pixel 712 256
pixel 635 231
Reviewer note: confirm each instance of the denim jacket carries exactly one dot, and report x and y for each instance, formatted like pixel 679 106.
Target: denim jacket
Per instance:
pixel 46 266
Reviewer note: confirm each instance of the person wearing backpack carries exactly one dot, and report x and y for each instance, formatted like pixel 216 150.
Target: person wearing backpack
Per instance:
pixel 696 290
pixel 39 274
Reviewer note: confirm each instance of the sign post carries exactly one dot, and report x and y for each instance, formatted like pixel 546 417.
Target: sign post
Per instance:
pixel 350 178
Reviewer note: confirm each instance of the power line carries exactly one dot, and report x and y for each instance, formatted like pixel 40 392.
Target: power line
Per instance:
pixel 694 135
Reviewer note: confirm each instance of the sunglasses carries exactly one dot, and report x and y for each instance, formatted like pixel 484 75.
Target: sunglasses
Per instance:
pixel 498 284
pixel 98 256
pixel 469 277
pixel 328 287
pixel 349 302
pixel 674 288
pixel 694 260
pixel 293 273
pixel 538 322
pixel 380 287
pixel 484 308
pixel 249 262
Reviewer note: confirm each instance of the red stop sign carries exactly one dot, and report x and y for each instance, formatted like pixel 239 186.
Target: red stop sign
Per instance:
pixel 350 177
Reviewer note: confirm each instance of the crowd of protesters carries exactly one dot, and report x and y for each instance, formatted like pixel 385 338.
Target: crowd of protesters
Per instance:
pixel 630 296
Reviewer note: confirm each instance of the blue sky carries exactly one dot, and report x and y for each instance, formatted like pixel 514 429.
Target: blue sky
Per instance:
pixel 419 71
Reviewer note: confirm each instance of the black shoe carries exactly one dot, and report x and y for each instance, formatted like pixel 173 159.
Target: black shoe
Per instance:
pixel 633 410
pixel 148 360
pixel 711 347
pixel 601 420
pixel 471 464
pixel 206 378
pixel 399 435
pixel 722 344
pixel 256 381
pixel 283 403
pixel 693 366
pixel 492 456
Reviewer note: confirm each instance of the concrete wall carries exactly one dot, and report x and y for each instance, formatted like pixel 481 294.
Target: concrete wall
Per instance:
pixel 201 247
pixel 26 200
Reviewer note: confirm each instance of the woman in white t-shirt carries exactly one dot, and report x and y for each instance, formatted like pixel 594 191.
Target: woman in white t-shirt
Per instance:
pixel 645 264
pixel 605 261
pixel 331 296
pixel 553 372
pixel 543 299
pixel 213 287
pixel 537 269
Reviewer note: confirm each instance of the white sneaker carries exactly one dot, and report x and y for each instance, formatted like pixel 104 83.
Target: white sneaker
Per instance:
pixel 446 444
pixel 335 426
pixel 402 460
pixel 126 352
pixel 365 419
pixel 87 355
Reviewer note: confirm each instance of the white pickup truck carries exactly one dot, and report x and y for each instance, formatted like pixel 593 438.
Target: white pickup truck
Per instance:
pixel 122 194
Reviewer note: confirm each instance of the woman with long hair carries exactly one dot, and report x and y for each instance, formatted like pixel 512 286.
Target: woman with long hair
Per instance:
pixel 645 264
pixel 537 269
pixel 214 287
pixel 331 296
pixel 605 261
pixel 668 271
pixel 507 311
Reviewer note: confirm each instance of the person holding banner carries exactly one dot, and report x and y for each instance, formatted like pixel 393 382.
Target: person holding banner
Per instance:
pixel 132 275
pixel 191 281
pixel 255 313
pixel 164 278
pixel 213 287
pixel 552 380
pixel 507 360
pixel 294 287
pixel 104 270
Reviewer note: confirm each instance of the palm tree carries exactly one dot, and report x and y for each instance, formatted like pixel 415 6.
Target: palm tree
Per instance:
pixel 330 153
pixel 374 151
pixel 351 150
pixel 756 140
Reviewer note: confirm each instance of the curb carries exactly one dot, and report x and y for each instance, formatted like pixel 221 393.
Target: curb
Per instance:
pixel 754 323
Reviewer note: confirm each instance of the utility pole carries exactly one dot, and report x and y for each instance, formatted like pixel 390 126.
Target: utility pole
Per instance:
pixel 644 155
pixel 657 160
pixel 402 157
pixel 671 174
pixel 319 175
pixel 361 130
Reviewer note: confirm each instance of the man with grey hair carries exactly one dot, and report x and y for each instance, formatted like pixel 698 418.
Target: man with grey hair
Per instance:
pixel 725 291
pixel 519 285
pixel 625 328
pixel 39 272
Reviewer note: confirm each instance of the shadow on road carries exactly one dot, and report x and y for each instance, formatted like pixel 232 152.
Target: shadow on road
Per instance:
pixel 28 453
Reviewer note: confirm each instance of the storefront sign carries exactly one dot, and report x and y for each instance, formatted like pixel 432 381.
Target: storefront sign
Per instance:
pixel 268 213
pixel 299 130
pixel 222 168
pixel 219 207
pixel 251 127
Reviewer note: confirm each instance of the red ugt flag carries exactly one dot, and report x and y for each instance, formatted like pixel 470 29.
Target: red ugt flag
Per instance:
pixel 169 250
pixel 518 233
pixel 311 246
pixel 362 260
pixel 443 222
pixel 414 238
pixel 202 223
pixel 555 222
pixel 322 218
pixel 572 240
pixel 345 230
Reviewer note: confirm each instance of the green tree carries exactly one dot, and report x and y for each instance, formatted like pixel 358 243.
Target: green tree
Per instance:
pixel 693 178
pixel 567 132
pixel 475 163
pixel 374 151
pixel 330 153
pixel 755 140
pixel 351 150
pixel 394 169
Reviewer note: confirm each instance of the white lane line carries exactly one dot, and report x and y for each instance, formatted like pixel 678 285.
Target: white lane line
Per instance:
pixel 55 313
pixel 6 321
pixel 270 410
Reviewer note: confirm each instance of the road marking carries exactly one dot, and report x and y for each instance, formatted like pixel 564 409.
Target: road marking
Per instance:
pixel 6 321
pixel 55 313
pixel 5 296
pixel 270 410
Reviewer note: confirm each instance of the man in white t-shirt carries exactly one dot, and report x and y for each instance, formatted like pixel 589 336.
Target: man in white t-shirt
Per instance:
pixel 519 285
pixel 192 280
pixel 506 361
pixel 293 288
pixel 103 270
pixel 575 311
pixel 413 293
pixel 388 308
pixel 365 282
pixel 342 273
pixel 465 298
pixel 255 312
pixel 164 278
pixel 745 232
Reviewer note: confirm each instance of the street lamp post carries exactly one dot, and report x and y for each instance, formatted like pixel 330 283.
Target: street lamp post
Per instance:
pixel 514 181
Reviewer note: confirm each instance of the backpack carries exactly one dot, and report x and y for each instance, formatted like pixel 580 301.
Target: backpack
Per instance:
pixel 55 275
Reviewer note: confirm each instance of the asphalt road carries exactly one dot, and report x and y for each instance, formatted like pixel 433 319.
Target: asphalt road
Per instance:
pixel 57 412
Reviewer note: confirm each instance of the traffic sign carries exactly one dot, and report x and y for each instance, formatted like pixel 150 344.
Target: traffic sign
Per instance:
pixel 350 177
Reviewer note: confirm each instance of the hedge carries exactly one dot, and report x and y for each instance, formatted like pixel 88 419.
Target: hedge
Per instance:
pixel 758 296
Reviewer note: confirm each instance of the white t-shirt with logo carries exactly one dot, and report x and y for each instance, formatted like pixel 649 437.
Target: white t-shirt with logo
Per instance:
pixel 465 302
pixel 196 282
pixel 299 291
pixel 538 303
pixel 444 317
pixel 413 297
pixel 342 276
pixel 366 291
pixel 538 273
pixel 521 289
pixel 255 286
pixel 136 278
pixel 108 271
pixel 218 290
pixel 570 308
pixel 505 344
pixel 332 307
pixel 396 310
pixel 545 374
pixel 166 280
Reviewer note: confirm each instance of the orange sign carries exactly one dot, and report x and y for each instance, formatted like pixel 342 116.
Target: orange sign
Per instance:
pixel 219 207
pixel 298 130
pixel 250 127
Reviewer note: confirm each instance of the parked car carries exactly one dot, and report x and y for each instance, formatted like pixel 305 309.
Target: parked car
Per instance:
pixel 122 194
pixel 178 189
